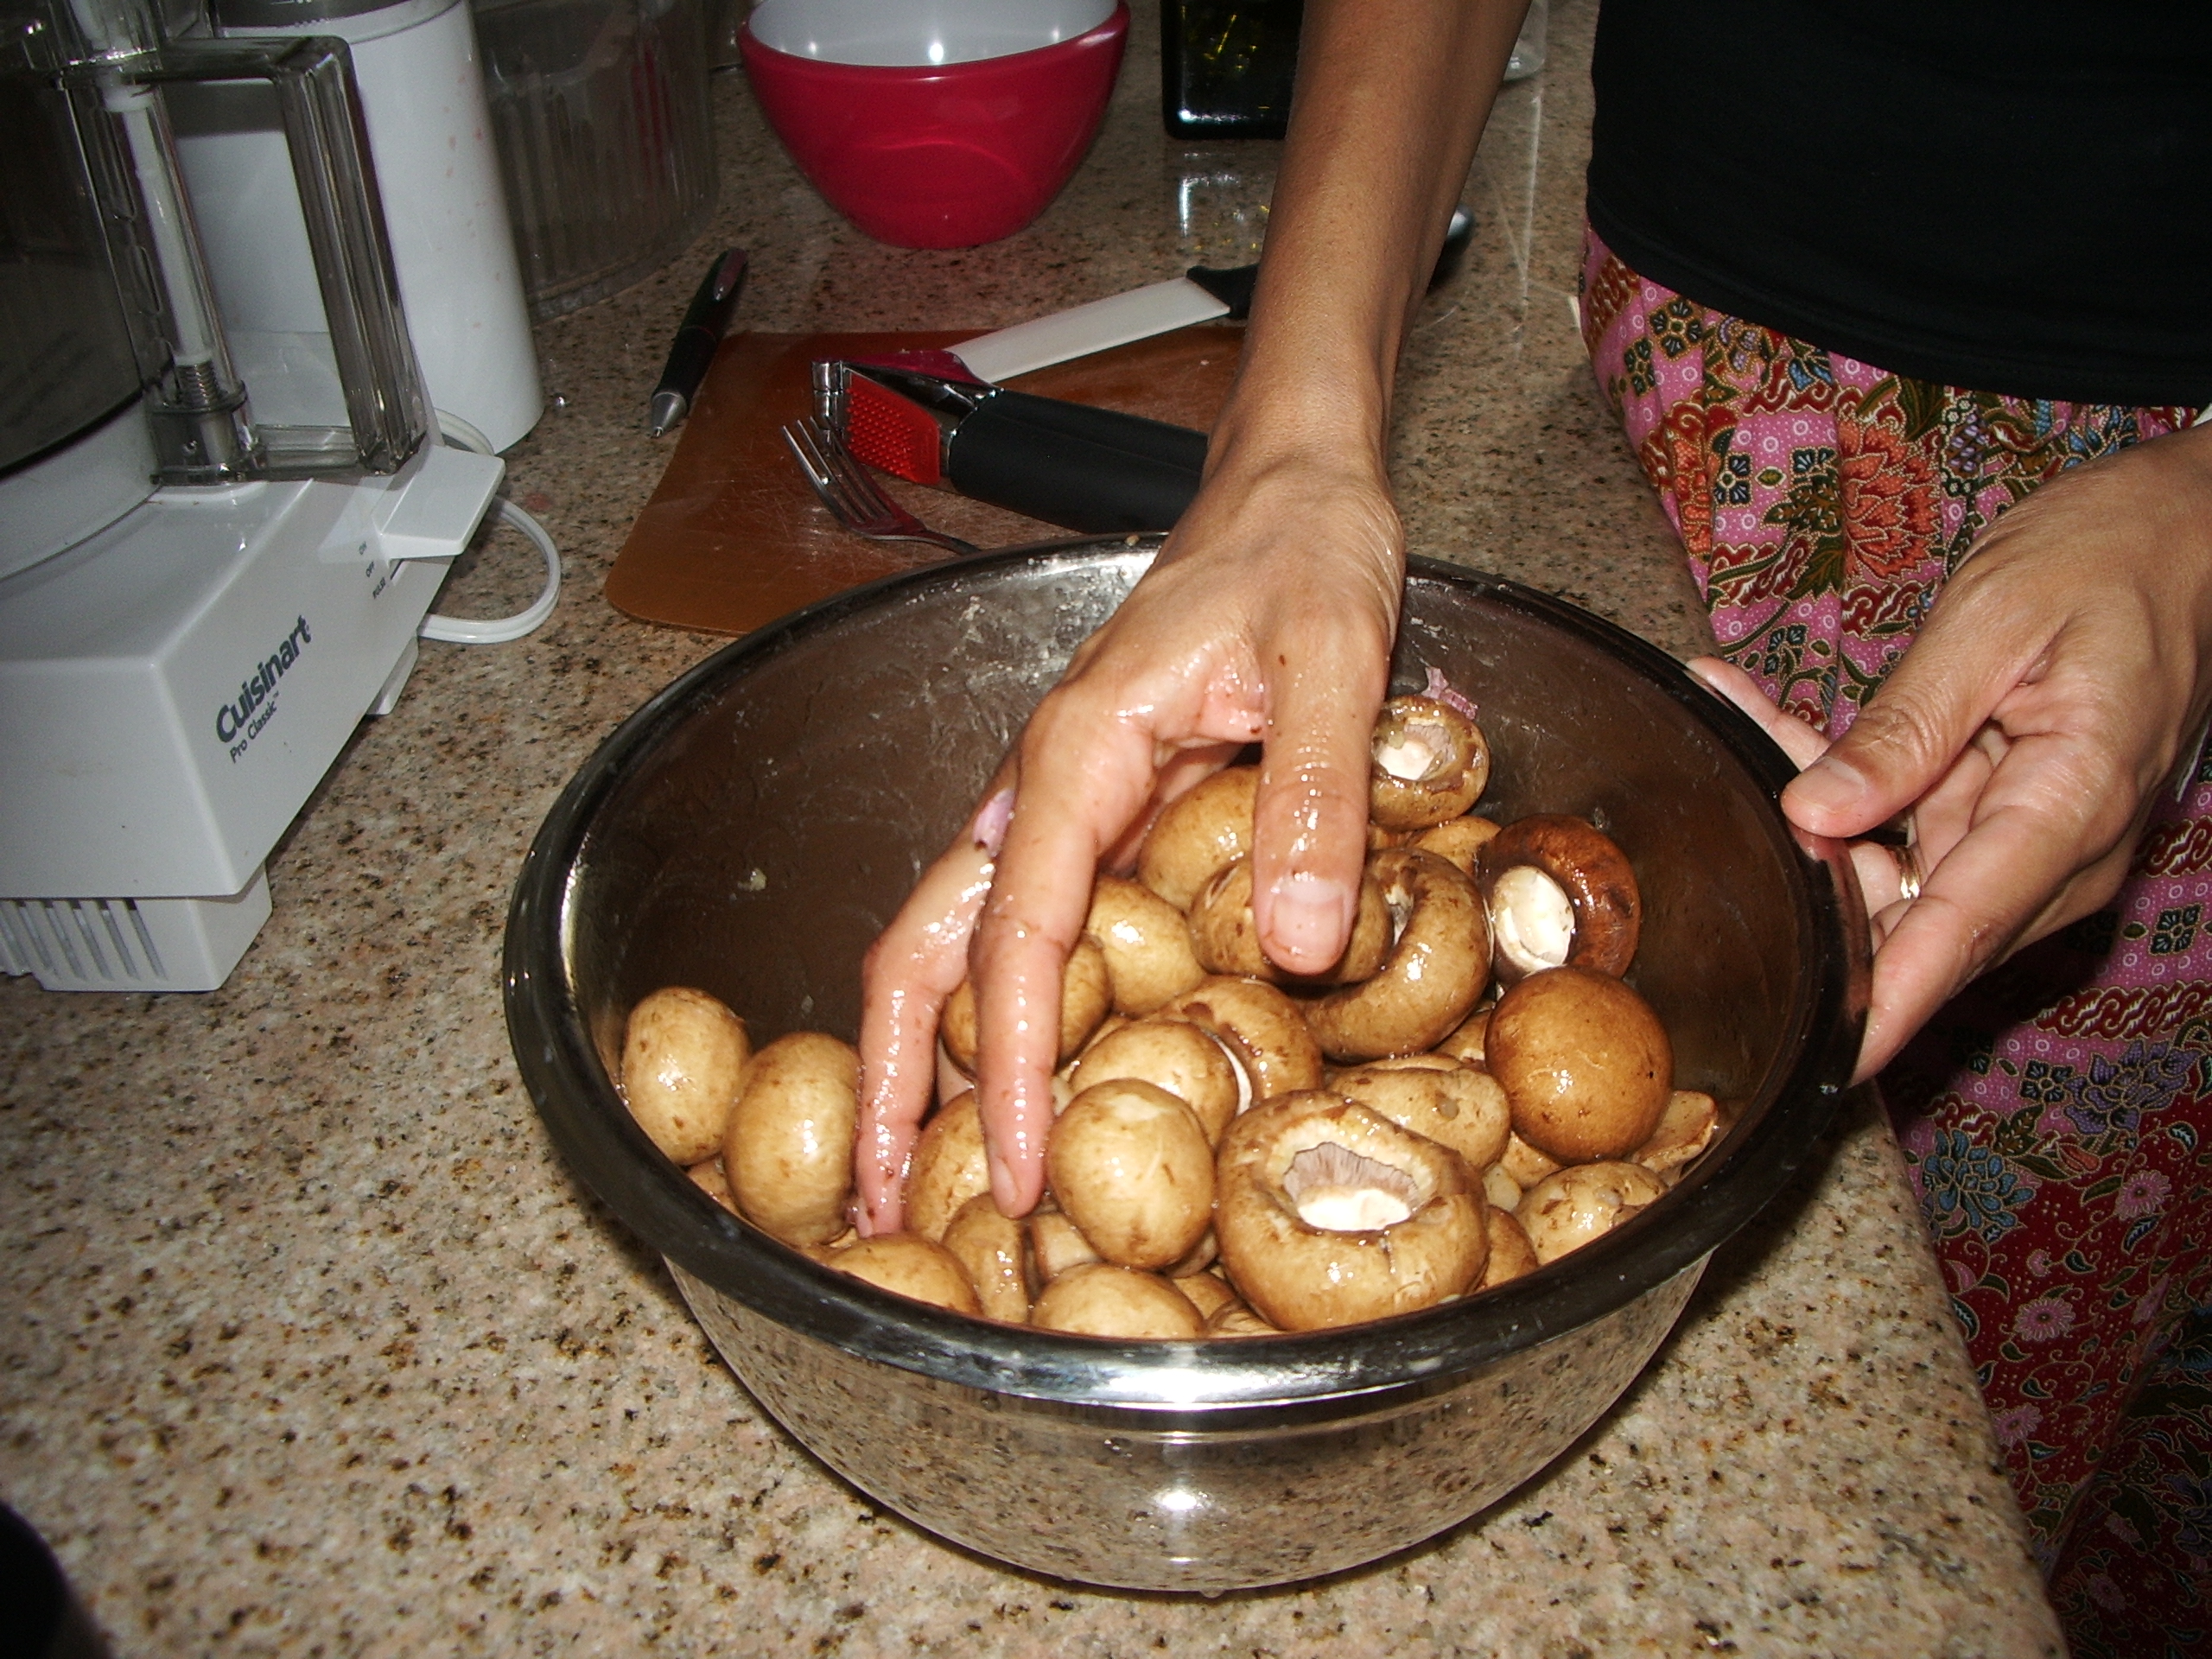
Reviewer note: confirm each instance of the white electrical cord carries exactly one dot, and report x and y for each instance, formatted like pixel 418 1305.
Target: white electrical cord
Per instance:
pixel 497 631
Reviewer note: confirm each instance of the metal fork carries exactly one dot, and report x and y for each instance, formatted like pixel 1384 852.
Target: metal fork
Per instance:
pixel 851 493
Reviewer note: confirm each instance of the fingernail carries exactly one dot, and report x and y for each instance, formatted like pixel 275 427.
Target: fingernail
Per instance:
pixel 1311 919
pixel 1002 1193
pixel 992 817
pixel 1828 785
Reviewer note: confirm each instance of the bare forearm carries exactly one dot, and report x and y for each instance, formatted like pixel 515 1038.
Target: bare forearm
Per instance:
pixel 1392 96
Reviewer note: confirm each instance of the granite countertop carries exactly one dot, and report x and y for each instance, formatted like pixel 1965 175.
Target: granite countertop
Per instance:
pixel 313 1347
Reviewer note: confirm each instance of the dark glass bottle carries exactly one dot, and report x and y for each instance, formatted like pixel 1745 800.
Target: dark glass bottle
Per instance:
pixel 1226 66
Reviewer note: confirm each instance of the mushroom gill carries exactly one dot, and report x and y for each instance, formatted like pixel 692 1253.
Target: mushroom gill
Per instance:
pixel 1340 1190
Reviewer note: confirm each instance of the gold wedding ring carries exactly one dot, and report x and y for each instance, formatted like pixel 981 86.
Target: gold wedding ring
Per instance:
pixel 1911 876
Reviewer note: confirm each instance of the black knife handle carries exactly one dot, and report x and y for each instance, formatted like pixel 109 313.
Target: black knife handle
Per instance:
pixel 1092 470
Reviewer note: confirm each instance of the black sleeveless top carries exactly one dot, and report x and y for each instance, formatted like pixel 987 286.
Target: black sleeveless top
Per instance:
pixel 2005 195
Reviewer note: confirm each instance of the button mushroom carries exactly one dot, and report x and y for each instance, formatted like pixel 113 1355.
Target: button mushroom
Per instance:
pixel 1227 938
pixel 1055 1244
pixel 1236 1318
pixel 1500 1190
pixel 1262 1029
pixel 1686 1128
pixel 1330 1214
pixel 1199 1257
pixel 948 1166
pixel 1585 1064
pixel 1523 1164
pixel 1453 1106
pixel 1430 763
pixel 1566 1211
pixel 1437 969
pixel 989 1249
pixel 1207 1292
pixel 1198 833
pixel 1560 892
pixel 1131 1167
pixel 1511 1254
pixel 1100 1299
pixel 683 1058
pixel 911 1267
pixel 707 1175
pixel 1084 997
pixel 789 1149
pixel 1147 942
pixel 1186 1060
pixel 1464 1042
pixel 1457 841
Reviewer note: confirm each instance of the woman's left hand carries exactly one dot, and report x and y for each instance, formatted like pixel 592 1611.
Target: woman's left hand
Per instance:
pixel 2058 681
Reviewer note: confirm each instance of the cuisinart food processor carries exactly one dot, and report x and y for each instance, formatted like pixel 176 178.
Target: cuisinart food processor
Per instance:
pixel 224 509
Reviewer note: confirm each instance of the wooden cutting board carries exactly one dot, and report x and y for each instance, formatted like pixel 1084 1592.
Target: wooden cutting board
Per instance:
pixel 732 536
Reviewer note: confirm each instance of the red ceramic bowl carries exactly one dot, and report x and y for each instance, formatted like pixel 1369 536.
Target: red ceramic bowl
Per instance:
pixel 935 154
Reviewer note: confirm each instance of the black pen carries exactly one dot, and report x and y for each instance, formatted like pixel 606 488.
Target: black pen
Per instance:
pixel 693 349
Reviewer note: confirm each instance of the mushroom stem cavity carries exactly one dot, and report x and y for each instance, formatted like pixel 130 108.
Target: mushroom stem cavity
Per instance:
pixel 1429 764
pixel 1435 969
pixel 1416 751
pixel 1335 1188
pixel 1531 919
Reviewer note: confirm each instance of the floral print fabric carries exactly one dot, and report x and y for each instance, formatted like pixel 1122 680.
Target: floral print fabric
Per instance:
pixel 2056 1117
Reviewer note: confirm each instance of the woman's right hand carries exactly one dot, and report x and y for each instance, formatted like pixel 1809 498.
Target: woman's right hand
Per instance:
pixel 1267 616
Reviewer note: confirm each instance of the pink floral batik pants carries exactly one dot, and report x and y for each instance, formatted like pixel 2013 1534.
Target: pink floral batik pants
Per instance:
pixel 2056 1117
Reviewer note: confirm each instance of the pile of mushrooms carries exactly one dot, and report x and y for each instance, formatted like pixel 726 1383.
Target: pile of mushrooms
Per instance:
pixel 1470 1092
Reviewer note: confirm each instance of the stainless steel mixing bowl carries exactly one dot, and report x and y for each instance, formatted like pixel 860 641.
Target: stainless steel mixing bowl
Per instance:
pixel 750 829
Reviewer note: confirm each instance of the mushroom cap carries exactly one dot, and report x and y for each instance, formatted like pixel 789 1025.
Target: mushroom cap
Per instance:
pixel 1147 942
pixel 1187 1060
pixel 1452 1105
pixel 1572 1206
pixel 1055 1244
pixel 683 1058
pixel 948 1166
pixel 911 1267
pixel 1464 1042
pixel 1207 1292
pixel 1500 1190
pixel 1236 1318
pixel 1511 1254
pixel 1131 1167
pixel 1686 1128
pixel 1227 936
pixel 789 1148
pixel 708 1176
pixel 1436 971
pixel 1100 1299
pixel 1429 762
pixel 988 1246
pixel 1457 841
pixel 1085 995
pixel 1263 1030
pixel 1593 872
pixel 1584 1061
pixel 1523 1164
pixel 1316 1154
pixel 1196 833
pixel 1199 1258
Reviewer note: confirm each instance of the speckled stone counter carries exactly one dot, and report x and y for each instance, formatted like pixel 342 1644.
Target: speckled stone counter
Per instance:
pixel 311 1347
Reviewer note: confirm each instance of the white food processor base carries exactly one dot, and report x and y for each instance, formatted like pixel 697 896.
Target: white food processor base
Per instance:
pixel 173 688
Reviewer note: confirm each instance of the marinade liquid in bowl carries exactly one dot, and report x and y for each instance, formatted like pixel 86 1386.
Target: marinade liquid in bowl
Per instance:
pixel 749 832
